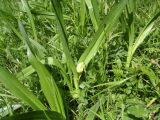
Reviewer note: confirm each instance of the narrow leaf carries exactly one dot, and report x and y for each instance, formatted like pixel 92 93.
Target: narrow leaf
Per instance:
pixel 49 61
pixel 131 29
pixel 19 90
pixel 47 82
pixel 82 14
pixel 95 108
pixel 63 37
pixel 62 32
pixel 92 14
pixel 153 78
pixel 26 7
pixel 105 27
pixel 144 33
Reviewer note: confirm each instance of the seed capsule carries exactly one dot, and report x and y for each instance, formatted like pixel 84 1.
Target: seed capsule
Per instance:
pixel 80 67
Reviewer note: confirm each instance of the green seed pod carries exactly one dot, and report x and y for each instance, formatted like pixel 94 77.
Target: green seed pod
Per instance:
pixel 80 67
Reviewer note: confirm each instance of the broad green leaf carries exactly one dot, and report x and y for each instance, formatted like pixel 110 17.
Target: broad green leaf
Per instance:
pixel 19 90
pixel 47 82
pixel 105 27
pixel 138 111
pixel 36 115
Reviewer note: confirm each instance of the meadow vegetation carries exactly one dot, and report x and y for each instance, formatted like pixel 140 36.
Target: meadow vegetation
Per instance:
pixel 79 59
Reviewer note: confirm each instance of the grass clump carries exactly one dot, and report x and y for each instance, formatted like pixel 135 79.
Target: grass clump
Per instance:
pixel 79 60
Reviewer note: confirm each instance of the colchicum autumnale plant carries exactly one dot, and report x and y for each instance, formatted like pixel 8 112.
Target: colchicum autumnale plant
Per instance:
pixel 73 70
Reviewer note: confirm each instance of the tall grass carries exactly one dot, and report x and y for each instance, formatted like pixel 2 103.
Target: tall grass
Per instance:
pixel 85 65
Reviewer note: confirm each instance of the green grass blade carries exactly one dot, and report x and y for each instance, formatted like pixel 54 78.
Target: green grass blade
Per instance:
pixel 62 33
pixel 47 82
pixel 96 9
pixel 152 76
pixel 94 109
pixel 144 33
pixel 104 29
pixel 19 90
pixel 55 62
pixel 48 86
pixel 49 61
pixel 131 29
pixel 63 36
pixel 92 14
pixel 35 47
pixel 82 14
pixel 26 7
pixel 5 16
pixel 38 49
pixel 115 83
pixel 25 72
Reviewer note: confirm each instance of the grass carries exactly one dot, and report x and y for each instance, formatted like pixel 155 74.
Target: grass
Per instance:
pixel 79 60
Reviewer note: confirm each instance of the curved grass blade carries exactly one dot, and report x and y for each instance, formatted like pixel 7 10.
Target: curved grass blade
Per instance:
pixel 39 49
pixel 49 61
pixel 92 13
pixel 36 115
pixel 115 83
pixel 105 27
pixel 130 26
pixel 63 36
pixel 55 62
pixel 152 76
pixel 145 32
pixel 19 90
pixel 26 7
pixel 47 82
pixel 48 85
pixel 62 33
